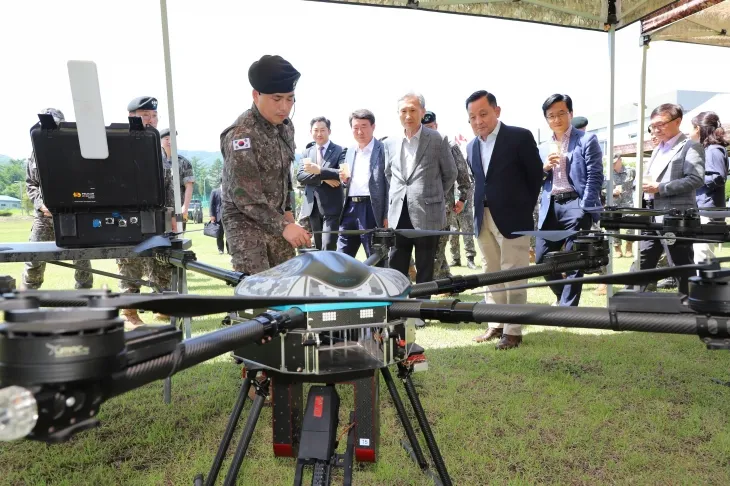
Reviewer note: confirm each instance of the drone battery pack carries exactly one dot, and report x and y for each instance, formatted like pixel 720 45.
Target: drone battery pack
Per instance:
pixel 115 201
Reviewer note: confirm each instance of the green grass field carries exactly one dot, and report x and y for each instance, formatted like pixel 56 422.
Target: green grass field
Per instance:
pixel 567 407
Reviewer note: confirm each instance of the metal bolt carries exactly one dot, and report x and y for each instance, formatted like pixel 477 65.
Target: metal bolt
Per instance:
pixel 70 402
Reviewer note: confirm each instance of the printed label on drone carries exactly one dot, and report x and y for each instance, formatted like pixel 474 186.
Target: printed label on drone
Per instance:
pixel 318 405
pixel 365 442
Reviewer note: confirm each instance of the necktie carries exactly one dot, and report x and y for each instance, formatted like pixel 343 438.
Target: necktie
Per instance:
pixel 320 156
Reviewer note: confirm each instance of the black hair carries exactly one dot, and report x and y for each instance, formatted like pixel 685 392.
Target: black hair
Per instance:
pixel 557 98
pixel 491 99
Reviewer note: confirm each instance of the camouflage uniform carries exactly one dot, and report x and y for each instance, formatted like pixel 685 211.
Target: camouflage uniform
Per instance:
pixel 465 224
pixel 42 230
pixel 186 175
pixel 257 188
pixel 441 268
pixel 138 268
pixel 625 179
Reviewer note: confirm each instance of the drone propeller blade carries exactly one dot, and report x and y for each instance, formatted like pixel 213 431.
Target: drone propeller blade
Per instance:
pixel 343 232
pixel 634 211
pixel 188 305
pixel 715 213
pixel 186 231
pixel 662 237
pixel 154 242
pixel 549 235
pixel 631 278
pixel 414 233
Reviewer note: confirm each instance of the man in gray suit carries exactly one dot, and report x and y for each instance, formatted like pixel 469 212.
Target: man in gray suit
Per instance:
pixel 672 176
pixel 420 169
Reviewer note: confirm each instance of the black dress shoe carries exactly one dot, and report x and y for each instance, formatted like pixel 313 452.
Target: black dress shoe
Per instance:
pixel 509 342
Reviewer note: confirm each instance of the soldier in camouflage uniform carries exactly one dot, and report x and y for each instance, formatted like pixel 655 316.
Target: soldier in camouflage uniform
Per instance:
pixel 441 268
pixel 42 229
pixel 158 273
pixel 623 196
pixel 258 150
pixel 464 224
pixel 187 178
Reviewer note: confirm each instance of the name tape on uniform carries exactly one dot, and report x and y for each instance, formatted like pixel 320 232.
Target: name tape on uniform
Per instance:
pixel 242 144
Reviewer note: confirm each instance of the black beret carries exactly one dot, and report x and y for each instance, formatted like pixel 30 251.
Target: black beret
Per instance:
pixel 579 122
pixel 429 117
pixel 310 144
pixel 273 74
pixel 166 133
pixel 142 103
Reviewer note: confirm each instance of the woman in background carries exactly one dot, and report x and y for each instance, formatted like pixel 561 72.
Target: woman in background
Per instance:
pixel 707 130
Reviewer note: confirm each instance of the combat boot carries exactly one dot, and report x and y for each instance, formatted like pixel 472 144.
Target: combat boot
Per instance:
pixel 470 264
pixel 132 320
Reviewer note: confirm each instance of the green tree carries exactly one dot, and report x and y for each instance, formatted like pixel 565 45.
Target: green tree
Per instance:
pixel 215 172
pixel 12 177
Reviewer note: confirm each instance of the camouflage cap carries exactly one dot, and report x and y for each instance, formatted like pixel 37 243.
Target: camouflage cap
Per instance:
pixel 143 103
pixel 273 74
pixel 56 113
pixel 429 117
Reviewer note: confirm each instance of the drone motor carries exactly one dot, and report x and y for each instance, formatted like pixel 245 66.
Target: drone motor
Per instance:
pixel 709 293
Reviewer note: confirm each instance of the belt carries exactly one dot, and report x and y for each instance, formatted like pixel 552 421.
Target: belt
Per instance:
pixel 565 196
pixel 359 198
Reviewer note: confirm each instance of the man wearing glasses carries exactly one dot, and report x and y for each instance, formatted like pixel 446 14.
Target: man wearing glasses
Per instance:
pixel 674 172
pixel 573 167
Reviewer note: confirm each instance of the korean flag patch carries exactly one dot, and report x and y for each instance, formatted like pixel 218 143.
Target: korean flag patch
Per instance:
pixel 242 144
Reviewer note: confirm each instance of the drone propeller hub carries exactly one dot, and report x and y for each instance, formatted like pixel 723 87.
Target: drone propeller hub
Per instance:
pixel 709 293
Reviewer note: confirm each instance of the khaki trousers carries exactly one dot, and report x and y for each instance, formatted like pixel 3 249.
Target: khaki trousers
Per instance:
pixel 500 253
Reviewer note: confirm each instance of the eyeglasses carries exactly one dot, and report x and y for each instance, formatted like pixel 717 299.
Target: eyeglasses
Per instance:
pixel 552 118
pixel 660 125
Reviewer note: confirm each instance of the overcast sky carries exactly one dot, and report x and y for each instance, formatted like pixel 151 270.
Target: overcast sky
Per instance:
pixel 350 57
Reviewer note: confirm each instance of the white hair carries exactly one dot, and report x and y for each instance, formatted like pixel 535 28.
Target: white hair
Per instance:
pixel 413 94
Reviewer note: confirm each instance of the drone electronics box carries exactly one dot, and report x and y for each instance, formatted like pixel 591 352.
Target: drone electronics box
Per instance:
pixel 116 201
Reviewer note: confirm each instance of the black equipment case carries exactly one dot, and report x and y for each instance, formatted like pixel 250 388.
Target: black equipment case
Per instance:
pixel 112 202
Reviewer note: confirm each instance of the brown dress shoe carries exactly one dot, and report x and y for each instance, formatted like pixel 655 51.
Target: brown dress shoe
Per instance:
pixel 492 333
pixel 508 342
pixel 131 318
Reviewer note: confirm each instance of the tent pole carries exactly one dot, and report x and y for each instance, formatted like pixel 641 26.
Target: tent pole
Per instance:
pixel 171 115
pixel 638 193
pixel 610 140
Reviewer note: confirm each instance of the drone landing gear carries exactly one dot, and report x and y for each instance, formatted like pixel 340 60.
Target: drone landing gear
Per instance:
pixel 313 439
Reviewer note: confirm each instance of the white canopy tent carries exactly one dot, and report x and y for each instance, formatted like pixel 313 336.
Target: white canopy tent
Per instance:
pixel 697 21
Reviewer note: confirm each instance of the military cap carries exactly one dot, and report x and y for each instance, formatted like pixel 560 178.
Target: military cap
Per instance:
pixel 166 133
pixel 429 117
pixel 273 74
pixel 310 144
pixel 143 103
pixel 56 113
pixel 580 122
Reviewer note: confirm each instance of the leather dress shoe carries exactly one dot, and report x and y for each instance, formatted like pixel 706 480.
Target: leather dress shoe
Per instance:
pixel 509 342
pixel 492 333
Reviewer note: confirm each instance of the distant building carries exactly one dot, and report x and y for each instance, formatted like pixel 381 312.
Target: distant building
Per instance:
pixel 625 132
pixel 7 202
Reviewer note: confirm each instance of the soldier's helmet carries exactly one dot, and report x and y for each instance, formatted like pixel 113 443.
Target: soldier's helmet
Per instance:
pixel 56 113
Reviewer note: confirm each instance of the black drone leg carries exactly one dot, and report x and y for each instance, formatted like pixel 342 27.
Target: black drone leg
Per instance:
pixel 230 428
pixel 415 451
pixel 349 453
pixel 405 374
pixel 262 390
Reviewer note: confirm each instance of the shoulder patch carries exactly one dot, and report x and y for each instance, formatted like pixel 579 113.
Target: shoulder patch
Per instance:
pixel 242 144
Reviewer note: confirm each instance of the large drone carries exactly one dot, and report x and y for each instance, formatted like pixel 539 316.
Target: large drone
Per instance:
pixel 320 317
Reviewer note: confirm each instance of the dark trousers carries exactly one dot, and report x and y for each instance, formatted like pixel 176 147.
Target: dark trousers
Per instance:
pixel 651 250
pixel 426 246
pixel 357 216
pixel 221 238
pixel 321 222
pixel 563 216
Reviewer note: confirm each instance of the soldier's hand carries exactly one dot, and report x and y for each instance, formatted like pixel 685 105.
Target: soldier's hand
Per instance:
pixel 297 236
pixel 385 223
pixel 332 183
pixel 45 211
pixel 459 207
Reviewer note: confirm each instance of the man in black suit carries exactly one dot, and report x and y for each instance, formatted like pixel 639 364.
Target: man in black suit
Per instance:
pixel 216 215
pixel 507 178
pixel 320 173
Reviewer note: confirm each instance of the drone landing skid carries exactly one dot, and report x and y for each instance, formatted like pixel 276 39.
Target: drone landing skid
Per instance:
pixel 312 439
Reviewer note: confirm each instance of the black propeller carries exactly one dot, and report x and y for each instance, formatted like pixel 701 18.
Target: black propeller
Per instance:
pixel 157 241
pixel 172 304
pixel 714 212
pixel 408 233
pixel 630 278
pixel 557 235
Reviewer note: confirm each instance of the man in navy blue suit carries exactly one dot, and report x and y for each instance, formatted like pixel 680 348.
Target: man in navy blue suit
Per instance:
pixel 320 174
pixel 507 177
pixel 366 196
pixel 573 165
